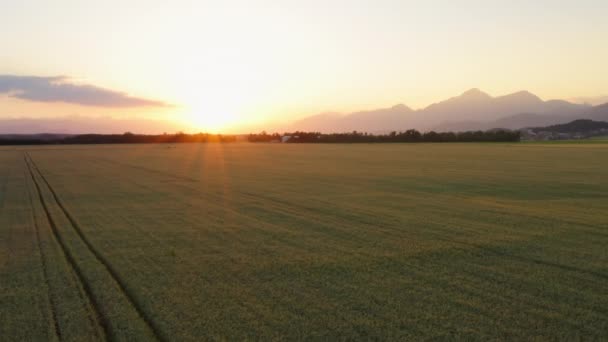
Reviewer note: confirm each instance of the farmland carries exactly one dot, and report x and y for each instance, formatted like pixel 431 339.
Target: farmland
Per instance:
pixel 322 242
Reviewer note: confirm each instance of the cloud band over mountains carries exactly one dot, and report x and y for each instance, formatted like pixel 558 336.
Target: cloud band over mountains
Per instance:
pixel 60 89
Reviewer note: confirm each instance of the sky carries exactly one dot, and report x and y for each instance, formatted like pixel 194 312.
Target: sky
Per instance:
pixel 220 65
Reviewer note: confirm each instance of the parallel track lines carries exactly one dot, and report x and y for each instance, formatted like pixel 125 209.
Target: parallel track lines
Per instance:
pixel 52 304
pixel 129 295
pixel 97 317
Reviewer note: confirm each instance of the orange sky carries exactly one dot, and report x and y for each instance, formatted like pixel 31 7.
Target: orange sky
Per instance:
pixel 230 63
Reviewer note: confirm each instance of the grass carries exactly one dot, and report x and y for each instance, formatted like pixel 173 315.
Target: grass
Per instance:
pixel 255 241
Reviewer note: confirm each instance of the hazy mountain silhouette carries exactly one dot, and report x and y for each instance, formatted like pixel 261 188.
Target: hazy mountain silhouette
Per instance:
pixel 597 113
pixel 369 121
pixel 477 105
pixel 509 122
pixel 590 100
pixel 311 123
pixel 472 110
pixel 554 112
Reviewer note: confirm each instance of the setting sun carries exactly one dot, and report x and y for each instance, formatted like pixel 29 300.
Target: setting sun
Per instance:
pixel 229 64
pixel 209 117
pixel 214 109
pixel 220 97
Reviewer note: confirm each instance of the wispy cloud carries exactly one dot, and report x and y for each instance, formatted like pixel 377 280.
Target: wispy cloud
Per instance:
pixel 60 89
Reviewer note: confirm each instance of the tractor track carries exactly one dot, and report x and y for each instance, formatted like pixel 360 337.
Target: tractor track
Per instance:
pixel 52 304
pixel 97 318
pixel 128 294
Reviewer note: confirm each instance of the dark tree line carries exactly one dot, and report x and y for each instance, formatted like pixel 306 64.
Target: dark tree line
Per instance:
pixel 295 137
pixel 17 141
pixel 130 138
pixel 264 137
pixel 411 135
pixel 126 138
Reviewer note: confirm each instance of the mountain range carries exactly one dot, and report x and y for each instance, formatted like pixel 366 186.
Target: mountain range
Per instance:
pixel 472 110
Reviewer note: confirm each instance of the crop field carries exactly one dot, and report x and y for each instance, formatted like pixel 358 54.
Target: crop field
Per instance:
pixel 304 242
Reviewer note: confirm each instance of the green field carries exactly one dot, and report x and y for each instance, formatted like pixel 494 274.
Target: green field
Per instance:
pixel 304 242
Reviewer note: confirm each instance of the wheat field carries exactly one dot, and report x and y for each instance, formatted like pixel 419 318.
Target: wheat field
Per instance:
pixel 304 242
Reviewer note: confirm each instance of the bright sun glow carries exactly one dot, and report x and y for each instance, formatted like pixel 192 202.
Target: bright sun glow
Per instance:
pixel 210 117
pixel 252 65
pixel 216 99
pixel 216 109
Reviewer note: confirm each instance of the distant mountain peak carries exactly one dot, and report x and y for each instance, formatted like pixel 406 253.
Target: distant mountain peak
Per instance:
pixel 523 94
pixel 401 107
pixel 475 93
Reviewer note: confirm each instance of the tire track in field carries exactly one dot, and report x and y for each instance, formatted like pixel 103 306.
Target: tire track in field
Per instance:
pixel 52 304
pixel 103 261
pixel 2 204
pixel 97 319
